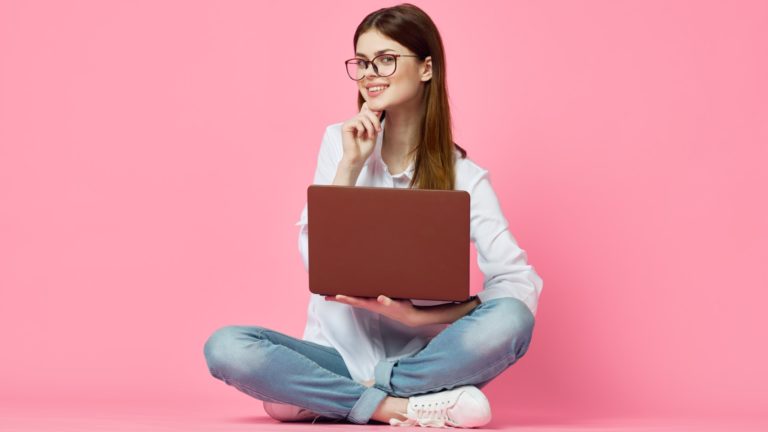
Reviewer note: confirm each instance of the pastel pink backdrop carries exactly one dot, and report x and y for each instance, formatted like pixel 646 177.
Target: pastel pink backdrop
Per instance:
pixel 154 157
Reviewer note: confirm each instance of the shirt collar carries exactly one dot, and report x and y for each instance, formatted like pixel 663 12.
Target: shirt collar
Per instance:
pixel 376 157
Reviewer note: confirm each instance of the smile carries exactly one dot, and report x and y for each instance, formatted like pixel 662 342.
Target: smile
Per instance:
pixel 375 91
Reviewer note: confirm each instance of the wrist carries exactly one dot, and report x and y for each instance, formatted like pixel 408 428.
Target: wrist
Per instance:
pixel 475 300
pixel 347 172
pixel 418 317
pixel 351 163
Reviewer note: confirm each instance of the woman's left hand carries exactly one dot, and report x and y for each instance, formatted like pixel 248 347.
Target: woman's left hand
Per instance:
pixel 400 310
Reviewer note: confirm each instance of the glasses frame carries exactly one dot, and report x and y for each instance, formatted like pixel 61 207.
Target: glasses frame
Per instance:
pixel 371 62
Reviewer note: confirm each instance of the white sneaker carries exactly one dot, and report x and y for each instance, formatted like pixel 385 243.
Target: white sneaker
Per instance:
pixel 288 413
pixel 464 407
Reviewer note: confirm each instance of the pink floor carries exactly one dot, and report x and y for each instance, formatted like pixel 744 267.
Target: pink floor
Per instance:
pixel 143 418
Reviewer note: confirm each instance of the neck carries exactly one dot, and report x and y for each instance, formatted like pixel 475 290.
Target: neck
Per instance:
pixel 402 133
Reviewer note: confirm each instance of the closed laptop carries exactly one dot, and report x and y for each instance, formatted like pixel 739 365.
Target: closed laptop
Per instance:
pixel 401 242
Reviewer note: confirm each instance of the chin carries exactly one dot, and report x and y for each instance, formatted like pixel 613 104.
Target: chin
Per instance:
pixel 376 106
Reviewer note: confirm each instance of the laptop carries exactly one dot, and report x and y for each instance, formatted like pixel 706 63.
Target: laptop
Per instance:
pixel 403 243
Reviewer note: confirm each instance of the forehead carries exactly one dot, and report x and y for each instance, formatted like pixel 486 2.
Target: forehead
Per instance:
pixel 372 42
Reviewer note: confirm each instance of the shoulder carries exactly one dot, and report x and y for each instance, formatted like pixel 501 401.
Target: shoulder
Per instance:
pixel 468 172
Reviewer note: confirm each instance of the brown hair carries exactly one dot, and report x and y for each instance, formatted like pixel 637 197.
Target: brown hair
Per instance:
pixel 414 29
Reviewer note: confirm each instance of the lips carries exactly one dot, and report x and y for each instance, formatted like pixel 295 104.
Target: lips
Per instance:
pixel 376 90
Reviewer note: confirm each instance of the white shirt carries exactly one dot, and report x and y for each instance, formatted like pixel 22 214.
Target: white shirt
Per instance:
pixel 363 337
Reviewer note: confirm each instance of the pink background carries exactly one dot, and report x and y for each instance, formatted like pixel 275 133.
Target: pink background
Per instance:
pixel 154 158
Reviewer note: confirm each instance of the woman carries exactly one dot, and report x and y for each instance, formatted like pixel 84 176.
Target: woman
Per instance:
pixel 394 361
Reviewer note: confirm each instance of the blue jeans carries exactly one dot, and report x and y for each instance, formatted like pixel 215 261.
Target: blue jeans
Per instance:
pixel 273 367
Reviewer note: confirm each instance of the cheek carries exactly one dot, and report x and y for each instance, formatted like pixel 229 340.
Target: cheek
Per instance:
pixel 405 88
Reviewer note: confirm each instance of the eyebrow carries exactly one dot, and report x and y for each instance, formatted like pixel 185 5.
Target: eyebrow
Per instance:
pixel 376 53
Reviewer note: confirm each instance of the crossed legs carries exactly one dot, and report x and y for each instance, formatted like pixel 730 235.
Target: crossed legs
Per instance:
pixel 279 369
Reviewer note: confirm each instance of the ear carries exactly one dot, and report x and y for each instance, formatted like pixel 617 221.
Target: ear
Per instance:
pixel 426 69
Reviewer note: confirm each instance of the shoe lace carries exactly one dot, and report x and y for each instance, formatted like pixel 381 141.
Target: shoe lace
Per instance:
pixel 428 415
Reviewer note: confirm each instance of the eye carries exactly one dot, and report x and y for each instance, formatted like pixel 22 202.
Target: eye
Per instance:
pixel 387 59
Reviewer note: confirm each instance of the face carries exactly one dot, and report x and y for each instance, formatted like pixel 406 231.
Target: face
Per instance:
pixel 405 86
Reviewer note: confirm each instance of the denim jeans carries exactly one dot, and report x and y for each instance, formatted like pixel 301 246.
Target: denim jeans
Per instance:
pixel 274 367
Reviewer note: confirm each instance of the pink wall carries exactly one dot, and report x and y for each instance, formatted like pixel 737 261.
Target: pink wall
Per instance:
pixel 154 158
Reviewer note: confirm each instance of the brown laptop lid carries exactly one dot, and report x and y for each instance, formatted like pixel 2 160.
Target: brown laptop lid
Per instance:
pixel 403 243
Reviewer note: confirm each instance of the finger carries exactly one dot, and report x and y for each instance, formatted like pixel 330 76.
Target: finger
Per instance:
pixel 368 124
pixel 367 302
pixel 347 299
pixel 374 120
pixel 360 129
pixel 384 300
pixel 366 108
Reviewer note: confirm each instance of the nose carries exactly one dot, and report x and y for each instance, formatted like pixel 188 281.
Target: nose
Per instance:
pixel 370 70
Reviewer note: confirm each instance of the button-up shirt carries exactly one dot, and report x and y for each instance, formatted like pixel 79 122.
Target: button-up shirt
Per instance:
pixel 363 337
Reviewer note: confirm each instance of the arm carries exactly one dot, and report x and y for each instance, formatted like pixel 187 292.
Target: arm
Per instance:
pixel 404 311
pixel 347 173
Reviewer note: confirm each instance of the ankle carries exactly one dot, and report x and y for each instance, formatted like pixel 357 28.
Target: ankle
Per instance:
pixel 391 407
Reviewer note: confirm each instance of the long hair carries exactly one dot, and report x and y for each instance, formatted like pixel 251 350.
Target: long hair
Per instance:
pixel 414 29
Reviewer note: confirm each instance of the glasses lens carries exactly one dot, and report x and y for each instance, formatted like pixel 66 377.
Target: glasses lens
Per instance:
pixel 355 69
pixel 385 64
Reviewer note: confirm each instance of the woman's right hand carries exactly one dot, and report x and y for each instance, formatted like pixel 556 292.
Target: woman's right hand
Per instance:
pixel 358 135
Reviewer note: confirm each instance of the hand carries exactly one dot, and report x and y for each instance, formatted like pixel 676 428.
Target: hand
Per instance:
pixel 399 310
pixel 358 134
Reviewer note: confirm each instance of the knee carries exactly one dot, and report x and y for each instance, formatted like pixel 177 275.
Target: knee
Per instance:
pixel 219 348
pixel 513 323
pixel 224 348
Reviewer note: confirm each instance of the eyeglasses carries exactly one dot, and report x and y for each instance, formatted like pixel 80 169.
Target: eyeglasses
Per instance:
pixel 383 65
